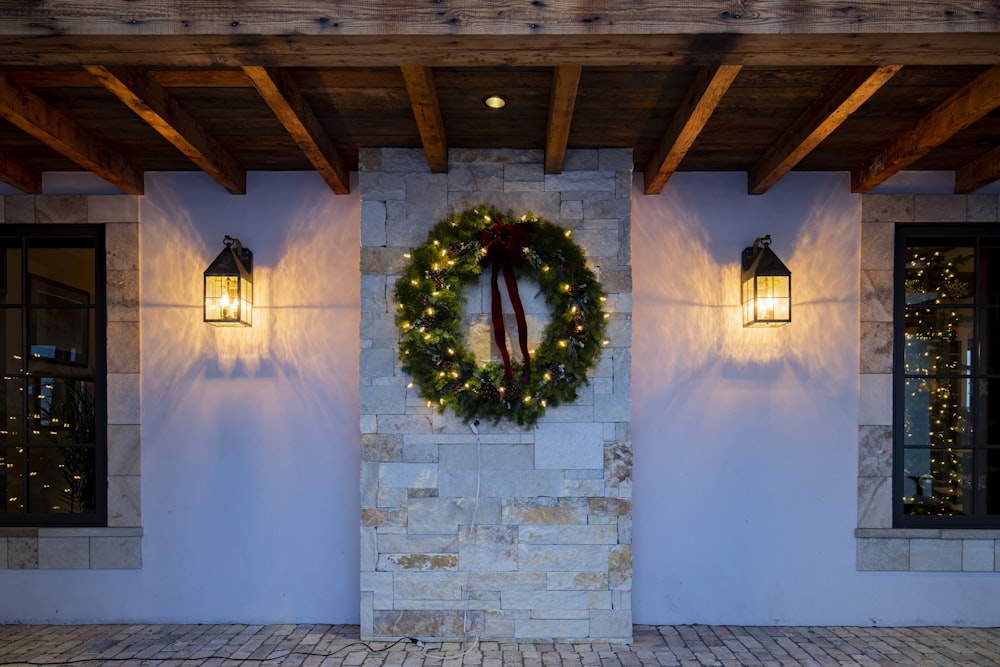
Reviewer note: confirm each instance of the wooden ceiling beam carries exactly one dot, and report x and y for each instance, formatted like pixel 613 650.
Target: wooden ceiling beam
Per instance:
pixel 427 112
pixel 963 108
pixel 565 83
pixel 535 50
pixel 845 94
pixel 151 102
pixel 18 175
pixel 704 95
pixel 33 115
pixel 979 173
pixel 289 105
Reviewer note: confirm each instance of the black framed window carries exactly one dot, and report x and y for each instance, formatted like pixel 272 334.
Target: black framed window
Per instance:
pixel 946 364
pixel 53 405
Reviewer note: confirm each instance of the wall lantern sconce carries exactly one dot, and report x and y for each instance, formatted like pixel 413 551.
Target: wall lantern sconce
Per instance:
pixel 229 287
pixel 767 286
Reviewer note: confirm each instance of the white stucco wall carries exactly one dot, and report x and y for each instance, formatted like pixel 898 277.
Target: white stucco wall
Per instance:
pixel 745 441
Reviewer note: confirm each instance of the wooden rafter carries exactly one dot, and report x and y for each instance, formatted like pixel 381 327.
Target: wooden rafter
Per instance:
pixel 979 173
pixel 564 86
pixel 427 112
pixel 289 105
pixel 963 108
pixel 151 102
pixel 848 91
pixel 704 95
pixel 18 175
pixel 36 117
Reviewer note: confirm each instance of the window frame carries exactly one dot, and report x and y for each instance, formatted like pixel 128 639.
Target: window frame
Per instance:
pixel 904 233
pixel 97 234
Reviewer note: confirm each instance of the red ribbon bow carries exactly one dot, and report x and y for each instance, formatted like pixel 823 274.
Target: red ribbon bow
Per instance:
pixel 504 245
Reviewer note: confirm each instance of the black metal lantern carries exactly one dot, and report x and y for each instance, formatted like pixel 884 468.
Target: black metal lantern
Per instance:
pixel 767 286
pixel 229 287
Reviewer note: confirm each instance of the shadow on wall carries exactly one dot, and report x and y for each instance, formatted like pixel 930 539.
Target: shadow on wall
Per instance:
pixel 687 297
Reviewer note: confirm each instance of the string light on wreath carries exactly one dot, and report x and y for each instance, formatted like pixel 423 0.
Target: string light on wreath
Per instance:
pixel 430 301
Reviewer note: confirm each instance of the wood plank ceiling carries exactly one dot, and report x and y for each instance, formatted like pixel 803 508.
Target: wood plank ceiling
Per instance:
pixel 873 104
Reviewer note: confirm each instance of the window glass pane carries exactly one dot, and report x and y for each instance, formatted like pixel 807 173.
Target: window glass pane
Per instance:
pixel 11 479
pixel 939 273
pixel 937 482
pixel 990 268
pixel 936 412
pixel 11 411
pixel 62 480
pixel 990 400
pixel 993 482
pixel 61 340
pixel 939 341
pixel 12 340
pixel 62 411
pixel 10 272
pixel 63 274
pixel 990 346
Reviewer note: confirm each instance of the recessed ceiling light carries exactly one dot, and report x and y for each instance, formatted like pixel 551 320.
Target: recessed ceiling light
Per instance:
pixel 495 101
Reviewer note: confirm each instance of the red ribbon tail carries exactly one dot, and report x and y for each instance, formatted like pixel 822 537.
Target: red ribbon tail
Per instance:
pixel 522 322
pixel 496 314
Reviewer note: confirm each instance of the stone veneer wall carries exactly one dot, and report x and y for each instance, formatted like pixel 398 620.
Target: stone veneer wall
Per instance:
pixel 119 545
pixel 879 545
pixel 547 554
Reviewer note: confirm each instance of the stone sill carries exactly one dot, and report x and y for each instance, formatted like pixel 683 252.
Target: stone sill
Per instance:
pixel 928 533
pixel 923 550
pixel 64 548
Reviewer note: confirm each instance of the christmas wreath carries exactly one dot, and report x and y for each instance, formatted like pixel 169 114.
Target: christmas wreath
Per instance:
pixel 430 300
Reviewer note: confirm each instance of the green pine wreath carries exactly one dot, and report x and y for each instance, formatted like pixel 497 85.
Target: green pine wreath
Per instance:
pixel 430 305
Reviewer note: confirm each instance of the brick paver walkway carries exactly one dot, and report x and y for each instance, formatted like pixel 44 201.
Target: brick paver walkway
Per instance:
pixel 334 645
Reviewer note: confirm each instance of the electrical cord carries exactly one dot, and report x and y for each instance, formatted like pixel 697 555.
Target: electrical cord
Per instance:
pixel 270 657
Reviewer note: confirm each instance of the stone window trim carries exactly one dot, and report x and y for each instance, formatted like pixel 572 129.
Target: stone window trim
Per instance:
pixel 119 544
pixel 880 547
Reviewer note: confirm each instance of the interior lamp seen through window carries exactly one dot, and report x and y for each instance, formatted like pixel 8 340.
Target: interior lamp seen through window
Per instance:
pixel 229 286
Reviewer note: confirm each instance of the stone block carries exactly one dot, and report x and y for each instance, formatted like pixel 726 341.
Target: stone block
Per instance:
pixel 476 177
pixel 615 159
pixel 381 518
pixel 379 586
pixel 570 210
pixel 3 540
pixel 562 558
pixel 115 553
pixel 875 399
pixel 939 208
pixel 978 555
pixel 445 624
pixel 582 159
pixel 569 445
pixel 409 160
pixel 123 398
pixel 121 241
pixel 376 447
pixel 61 209
pixel 488 547
pixel 22 553
pixel 382 185
pixel 607 510
pixel 935 555
pixel 383 399
pixel 382 261
pixel 876 347
pixel 368 548
pixel 63 553
pixel 545 511
pixel 883 554
pixel 521 483
pixel 391 497
pixel 576 581
pixel 875 502
pixel 617 463
pixel 611 625
pixel 550 630
pixel 877 246
pixel 423 562
pixel 123 347
pixel 491 457
pixel 124 450
pixel 875 298
pixel 625 529
pixel 124 500
pixel 123 296
pixel 403 424
pixel 587 534
pixel 374 297
pixel 580 181
pixel 439 515
pixel 407 475
pixel 620 567
pixel 373 223
pixel 428 585
pixel 557 600
pixel 598 243
pixel 533 173
pixel 887 208
pixel 102 209
pixel 582 487
pixel 408 543
pixel 982 208
pixel 874 451
pixel 19 209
